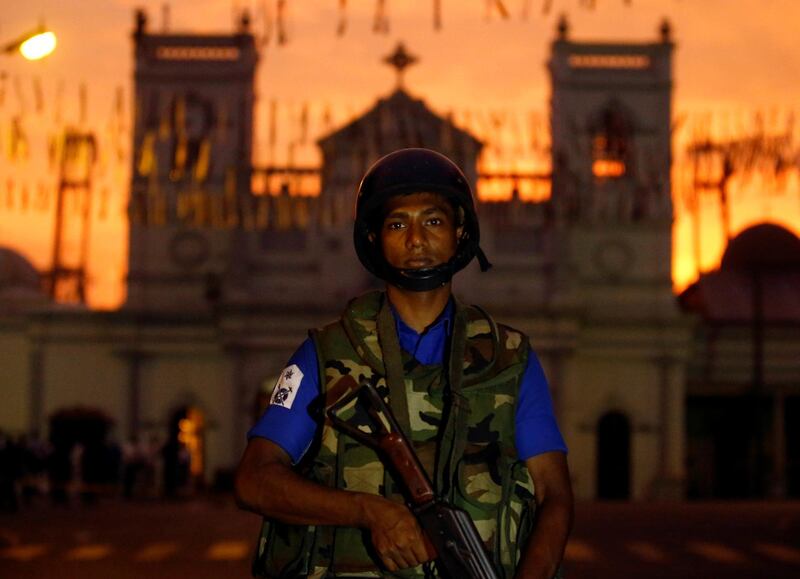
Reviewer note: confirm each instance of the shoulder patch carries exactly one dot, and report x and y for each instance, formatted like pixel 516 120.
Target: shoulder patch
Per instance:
pixel 513 339
pixel 286 387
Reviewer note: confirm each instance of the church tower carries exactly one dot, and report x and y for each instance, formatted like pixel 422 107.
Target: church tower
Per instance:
pixel 611 209
pixel 191 172
pixel 611 155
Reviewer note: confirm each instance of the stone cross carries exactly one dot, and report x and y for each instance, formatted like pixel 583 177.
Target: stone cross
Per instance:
pixel 400 60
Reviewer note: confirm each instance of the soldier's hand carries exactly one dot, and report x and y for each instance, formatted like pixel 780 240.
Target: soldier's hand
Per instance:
pixel 396 534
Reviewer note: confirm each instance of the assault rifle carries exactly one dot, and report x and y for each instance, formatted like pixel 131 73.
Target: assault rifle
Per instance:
pixel 459 550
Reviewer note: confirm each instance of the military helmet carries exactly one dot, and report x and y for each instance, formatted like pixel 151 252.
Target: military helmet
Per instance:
pixel 404 172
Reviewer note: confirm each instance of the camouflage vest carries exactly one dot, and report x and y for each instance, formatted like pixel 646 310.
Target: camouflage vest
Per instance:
pixel 460 420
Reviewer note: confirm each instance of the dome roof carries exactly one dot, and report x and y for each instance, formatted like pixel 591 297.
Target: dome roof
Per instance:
pixel 20 284
pixel 17 272
pixel 766 256
pixel 764 246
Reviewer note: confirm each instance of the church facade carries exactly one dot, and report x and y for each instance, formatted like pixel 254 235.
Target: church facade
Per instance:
pixel 223 284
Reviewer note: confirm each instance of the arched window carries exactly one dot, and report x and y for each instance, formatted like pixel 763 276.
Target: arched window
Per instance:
pixel 613 456
pixel 610 145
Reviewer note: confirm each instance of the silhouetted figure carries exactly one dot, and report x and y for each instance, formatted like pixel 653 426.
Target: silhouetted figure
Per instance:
pixel 176 467
pixel 134 463
pixel 10 472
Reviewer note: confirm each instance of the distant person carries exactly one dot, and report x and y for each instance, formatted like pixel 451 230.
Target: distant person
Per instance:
pixel 328 510
pixel 10 473
pixel 133 466
pixel 34 460
pixel 176 460
pixel 59 469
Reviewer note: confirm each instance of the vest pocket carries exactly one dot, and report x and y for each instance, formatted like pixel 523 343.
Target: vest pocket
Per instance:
pixel 479 487
pixel 497 492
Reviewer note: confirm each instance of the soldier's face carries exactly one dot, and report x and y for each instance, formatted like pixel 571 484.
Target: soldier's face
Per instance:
pixel 419 231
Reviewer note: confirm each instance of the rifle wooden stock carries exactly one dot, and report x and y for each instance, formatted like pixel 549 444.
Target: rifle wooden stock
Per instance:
pixel 407 466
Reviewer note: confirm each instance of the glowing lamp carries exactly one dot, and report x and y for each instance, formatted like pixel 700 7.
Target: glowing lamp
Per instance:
pixel 39 45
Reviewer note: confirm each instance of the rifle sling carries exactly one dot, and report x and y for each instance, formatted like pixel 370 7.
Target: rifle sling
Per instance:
pixel 393 362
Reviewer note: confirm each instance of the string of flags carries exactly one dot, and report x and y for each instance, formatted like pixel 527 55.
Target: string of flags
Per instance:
pixel 174 163
pixel 733 159
pixel 743 145
pixel 35 158
pixel 274 15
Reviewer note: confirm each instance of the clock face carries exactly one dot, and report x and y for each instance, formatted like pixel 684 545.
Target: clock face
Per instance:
pixel 189 249
pixel 613 257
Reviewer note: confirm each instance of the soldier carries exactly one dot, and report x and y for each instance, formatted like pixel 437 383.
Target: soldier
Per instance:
pixel 471 396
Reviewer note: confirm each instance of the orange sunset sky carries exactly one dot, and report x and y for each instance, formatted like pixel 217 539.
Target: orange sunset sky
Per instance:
pixel 734 59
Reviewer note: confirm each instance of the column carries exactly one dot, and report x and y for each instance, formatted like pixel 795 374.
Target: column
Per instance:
pixel 778 483
pixel 671 477
pixel 36 387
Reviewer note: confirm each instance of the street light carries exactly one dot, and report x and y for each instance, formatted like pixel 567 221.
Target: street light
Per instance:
pixel 33 46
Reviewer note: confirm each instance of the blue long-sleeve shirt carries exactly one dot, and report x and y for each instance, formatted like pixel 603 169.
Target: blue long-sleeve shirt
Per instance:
pixel 288 423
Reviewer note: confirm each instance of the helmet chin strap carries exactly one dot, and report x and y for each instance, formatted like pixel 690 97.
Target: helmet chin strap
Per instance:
pixel 483 262
pixel 420 280
pixel 427 278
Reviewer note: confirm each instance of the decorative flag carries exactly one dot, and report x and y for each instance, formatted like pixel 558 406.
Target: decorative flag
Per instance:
pixel 19 94
pixel 341 27
pixel 200 171
pixel 54 141
pixel 181 150
pixel 147 156
pixel 164 123
pixel 273 129
pixel 501 9
pixel 327 118
pixel 380 24
pixel 83 97
pixel 283 38
pixel 18 148
pixel 10 193
pixel 179 157
pixel 38 97
pixel 119 124
pixel 266 16
pixel 526 9
pixel 304 124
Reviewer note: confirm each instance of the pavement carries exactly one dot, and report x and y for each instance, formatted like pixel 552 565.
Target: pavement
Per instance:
pixel 210 538
pixel 716 540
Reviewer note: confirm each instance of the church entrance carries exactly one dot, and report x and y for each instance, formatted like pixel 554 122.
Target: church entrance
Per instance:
pixel 792 422
pixel 613 456
pixel 184 452
pixel 727 446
